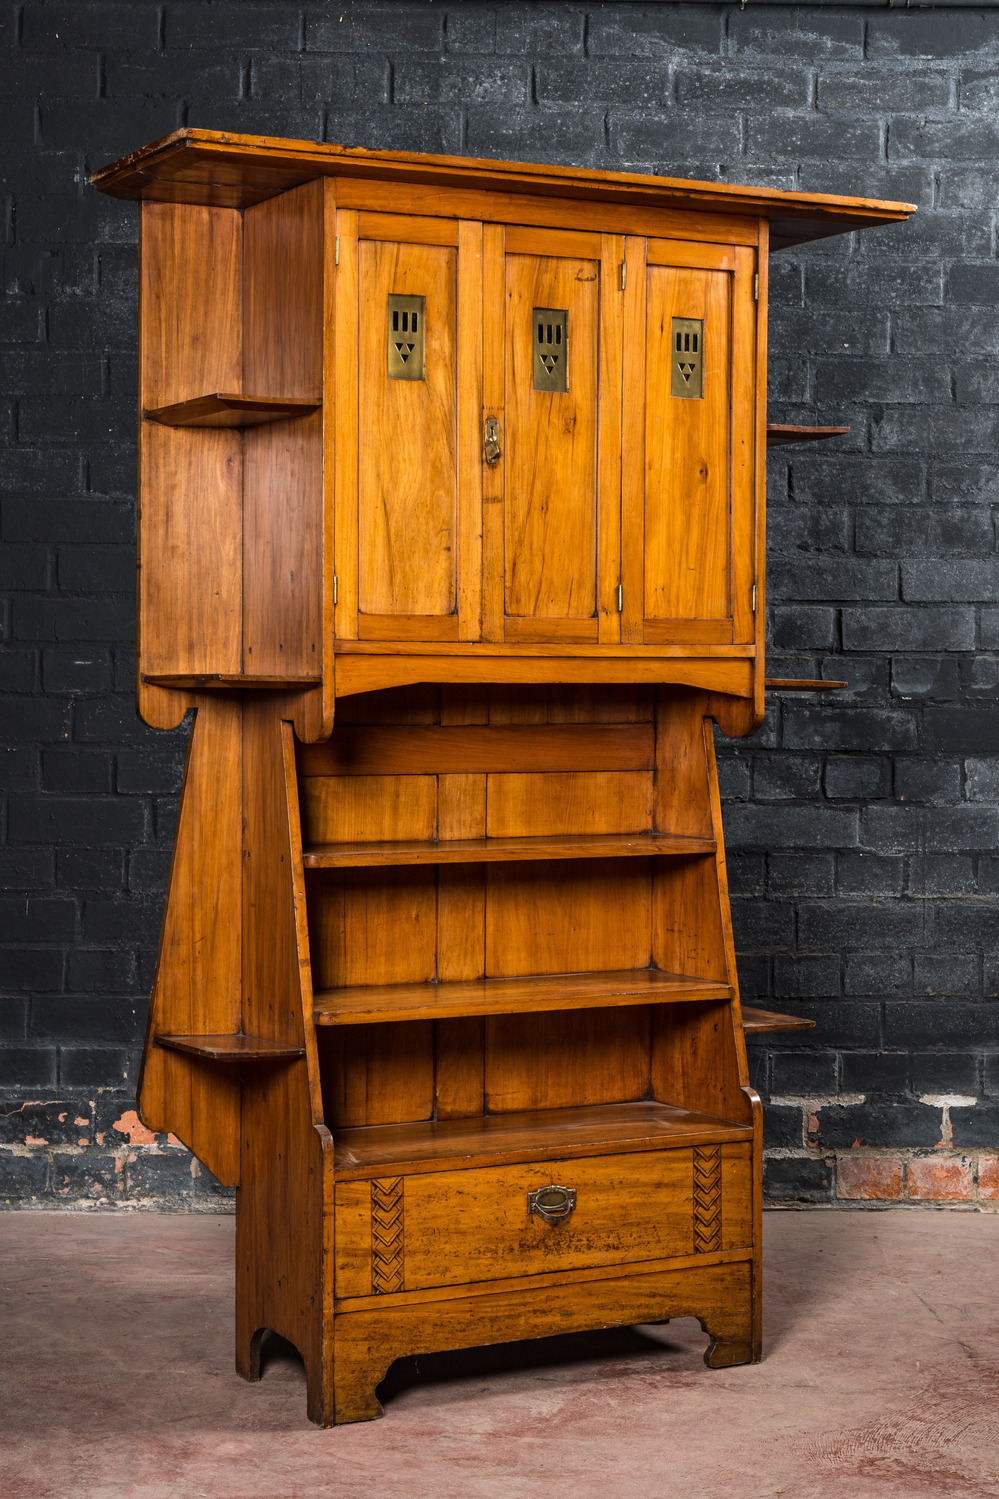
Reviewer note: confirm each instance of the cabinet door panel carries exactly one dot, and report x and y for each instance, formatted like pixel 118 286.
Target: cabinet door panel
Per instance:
pixel 407 479
pixel 687 451
pixel 690 413
pixel 550 541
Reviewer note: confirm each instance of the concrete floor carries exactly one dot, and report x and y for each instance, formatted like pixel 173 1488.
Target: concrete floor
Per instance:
pixel 880 1378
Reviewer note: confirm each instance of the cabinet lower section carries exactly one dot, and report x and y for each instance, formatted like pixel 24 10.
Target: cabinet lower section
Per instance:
pixel 365 1342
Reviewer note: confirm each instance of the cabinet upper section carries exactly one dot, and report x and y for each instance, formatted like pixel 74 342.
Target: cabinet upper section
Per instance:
pixel 411 418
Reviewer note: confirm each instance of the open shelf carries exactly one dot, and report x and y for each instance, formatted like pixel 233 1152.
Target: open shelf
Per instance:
pixel 226 410
pixel 769 1020
pixel 801 684
pixel 781 435
pixel 503 850
pixel 496 1139
pixel 226 681
pixel 232 1048
pixel 373 1004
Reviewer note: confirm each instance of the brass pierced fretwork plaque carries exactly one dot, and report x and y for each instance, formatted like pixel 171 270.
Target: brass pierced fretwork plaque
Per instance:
pixel 687 349
pixel 551 348
pixel 406 317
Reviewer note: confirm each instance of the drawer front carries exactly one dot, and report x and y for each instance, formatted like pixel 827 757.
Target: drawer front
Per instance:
pixel 458 1227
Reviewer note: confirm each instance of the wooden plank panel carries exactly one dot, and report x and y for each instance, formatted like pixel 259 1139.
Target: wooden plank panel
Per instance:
pixel 345 364
pixel 493 387
pixel 688 487
pixel 373 928
pixel 568 918
pixel 190 508
pixel 470 439
pixel 459 1072
pixel 612 274
pixel 377 1075
pixel 348 809
pixel 357 674
pixel 566 1060
pixel 744 437
pixel 634 398
pixel 569 803
pixel 551 445
pixel 565 243
pixel 680 252
pixel 407 436
pixel 470 749
pixel 283 462
pixel 411 229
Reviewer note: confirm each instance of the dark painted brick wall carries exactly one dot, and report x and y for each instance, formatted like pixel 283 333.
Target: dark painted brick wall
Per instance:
pixel 863 829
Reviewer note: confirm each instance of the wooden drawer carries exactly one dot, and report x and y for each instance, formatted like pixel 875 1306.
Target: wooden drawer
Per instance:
pixel 457 1227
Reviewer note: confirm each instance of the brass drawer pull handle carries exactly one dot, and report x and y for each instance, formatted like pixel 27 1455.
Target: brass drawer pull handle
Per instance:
pixel 552 1204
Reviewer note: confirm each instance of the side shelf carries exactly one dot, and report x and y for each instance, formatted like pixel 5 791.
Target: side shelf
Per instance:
pixel 781 435
pixel 227 410
pixel 769 1020
pixel 229 681
pixel 236 1048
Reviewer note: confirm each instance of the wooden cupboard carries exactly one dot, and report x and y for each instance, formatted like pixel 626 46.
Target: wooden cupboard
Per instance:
pixel 451 536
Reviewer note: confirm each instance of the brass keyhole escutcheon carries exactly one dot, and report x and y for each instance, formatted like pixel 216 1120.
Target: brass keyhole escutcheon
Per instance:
pixel 491 440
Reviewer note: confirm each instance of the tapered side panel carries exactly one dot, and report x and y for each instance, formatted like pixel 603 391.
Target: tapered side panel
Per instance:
pixel 190 568
pixel 196 989
pixel 283 319
pixel 281 1236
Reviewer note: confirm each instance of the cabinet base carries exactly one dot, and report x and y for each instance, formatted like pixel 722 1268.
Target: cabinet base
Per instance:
pixel 365 1343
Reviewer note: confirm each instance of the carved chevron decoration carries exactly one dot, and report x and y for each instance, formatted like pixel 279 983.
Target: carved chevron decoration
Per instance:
pixel 707 1199
pixel 387 1235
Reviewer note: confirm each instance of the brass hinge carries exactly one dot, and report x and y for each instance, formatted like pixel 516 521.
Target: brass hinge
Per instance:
pixel 620 598
pixel 756 287
pixel 336 250
pixel 753 597
pixel 334 587
pixel 624 274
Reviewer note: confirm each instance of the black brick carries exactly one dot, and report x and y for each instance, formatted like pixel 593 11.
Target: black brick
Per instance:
pixel 798 1179
pixel 975 1126
pixel 895 1123
pixel 882 1072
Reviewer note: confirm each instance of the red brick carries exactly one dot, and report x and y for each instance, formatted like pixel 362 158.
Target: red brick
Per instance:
pixel 988 1178
pixel 868 1176
pixel 932 1179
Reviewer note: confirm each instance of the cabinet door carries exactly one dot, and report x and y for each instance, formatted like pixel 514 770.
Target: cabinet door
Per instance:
pixel 552 381
pixel 408 427
pixel 689 444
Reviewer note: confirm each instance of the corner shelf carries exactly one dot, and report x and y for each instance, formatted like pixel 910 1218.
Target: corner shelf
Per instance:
pixel 554 1134
pixel 503 850
pixel 223 409
pixel 231 1048
pixel 769 1020
pixel 227 681
pixel 802 684
pixel 782 435
pixel 373 1004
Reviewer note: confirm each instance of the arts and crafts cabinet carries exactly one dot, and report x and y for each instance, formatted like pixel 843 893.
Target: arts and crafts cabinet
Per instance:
pixel 451 536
